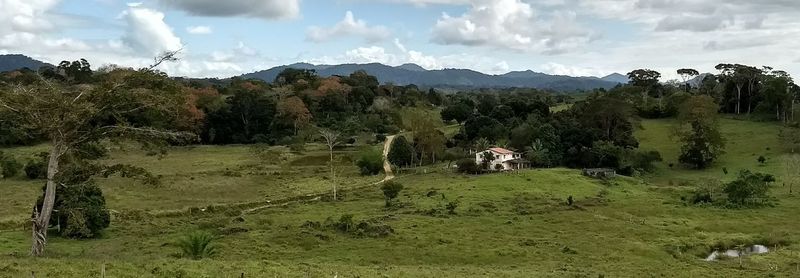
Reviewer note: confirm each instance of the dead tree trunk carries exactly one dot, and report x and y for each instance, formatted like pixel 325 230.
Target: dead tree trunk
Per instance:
pixel 41 216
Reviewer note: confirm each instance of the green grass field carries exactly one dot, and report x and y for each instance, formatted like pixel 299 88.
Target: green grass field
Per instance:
pixel 505 225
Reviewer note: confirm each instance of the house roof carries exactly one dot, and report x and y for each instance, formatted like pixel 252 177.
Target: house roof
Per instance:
pixel 501 151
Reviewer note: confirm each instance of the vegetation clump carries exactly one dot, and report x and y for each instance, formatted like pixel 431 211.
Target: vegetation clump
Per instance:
pixel 391 189
pixel 197 245
pixel 370 162
pixel 346 224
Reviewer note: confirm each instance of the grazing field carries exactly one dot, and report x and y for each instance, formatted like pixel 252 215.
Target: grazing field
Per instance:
pixel 508 225
pixel 201 176
pixel 442 225
pixel 745 142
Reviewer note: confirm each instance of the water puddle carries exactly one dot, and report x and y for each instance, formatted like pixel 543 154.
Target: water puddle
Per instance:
pixel 752 250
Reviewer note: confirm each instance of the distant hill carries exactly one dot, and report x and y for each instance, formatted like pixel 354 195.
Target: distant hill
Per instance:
pixel 456 78
pixel 616 78
pixel 11 62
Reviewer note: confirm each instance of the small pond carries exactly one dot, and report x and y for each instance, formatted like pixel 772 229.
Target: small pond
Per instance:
pixel 752 250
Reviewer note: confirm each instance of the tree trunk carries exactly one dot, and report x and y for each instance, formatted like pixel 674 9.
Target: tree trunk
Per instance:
pixel 41 218
pixel 738 98
pixel 333 174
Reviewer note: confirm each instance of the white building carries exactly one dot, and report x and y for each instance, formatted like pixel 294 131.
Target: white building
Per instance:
pixel 508 159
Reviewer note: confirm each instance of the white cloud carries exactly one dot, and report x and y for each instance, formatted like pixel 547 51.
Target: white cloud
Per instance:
pixel 265 9
pixel 349 26
pixel 199 30
pixel 147 31
pixel 512 24
pixel 559 69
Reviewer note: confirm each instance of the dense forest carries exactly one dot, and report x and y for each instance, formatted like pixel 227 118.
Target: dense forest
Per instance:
pixel 594 132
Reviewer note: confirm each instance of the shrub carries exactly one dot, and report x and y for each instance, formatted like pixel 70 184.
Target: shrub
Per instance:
pixel 643 161
pixel 467 166
pixel 80 210
pixel 36 170
pixel 762 160
pixel 10 166
pixel 451 207
pixel 297 147
pixel 197 245
pixel 390 191
pixel 749 189
pixel 498 167
pixel 380 138
pixel 346 224
pixel 370 162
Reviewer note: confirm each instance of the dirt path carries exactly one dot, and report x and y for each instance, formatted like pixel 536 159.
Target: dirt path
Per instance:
pixel 387 167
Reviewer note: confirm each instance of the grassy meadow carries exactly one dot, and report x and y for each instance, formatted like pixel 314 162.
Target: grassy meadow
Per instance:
pixel 442 225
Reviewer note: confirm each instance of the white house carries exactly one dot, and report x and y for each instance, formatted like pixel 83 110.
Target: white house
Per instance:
pixel 508 159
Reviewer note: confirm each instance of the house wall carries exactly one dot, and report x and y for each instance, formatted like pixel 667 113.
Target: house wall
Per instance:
pixel 498 159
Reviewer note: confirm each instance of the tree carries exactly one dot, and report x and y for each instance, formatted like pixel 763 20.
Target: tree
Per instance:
pixel 699 132
pixel 72 116
pixel 390 191
pixel 610 117
pixel 644 78
pixel 482 144
pixel 483 127
pixel 295 110
pixel 401 152
pixel 331 140
pixel 434 97
pixel 740 76
pixel 749 188
pixel 458 112
pixel 686 75
pixel 80 210
pixel 486 160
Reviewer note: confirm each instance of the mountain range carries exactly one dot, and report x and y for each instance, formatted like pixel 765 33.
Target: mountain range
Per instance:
pixel 408 74
pixel 457 78
pixel 11 62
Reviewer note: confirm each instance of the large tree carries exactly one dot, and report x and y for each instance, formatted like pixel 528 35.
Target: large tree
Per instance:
pixel 699 131
pixel 646 79
pixel 294 110
pixel 72 116
pixel 686 75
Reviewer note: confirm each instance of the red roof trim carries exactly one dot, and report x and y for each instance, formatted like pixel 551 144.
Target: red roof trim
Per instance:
pixel 501 150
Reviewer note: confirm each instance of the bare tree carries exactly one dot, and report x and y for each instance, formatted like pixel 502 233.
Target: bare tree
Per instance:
pixel 331 140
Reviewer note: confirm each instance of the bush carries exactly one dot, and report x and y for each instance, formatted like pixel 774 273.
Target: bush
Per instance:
pixel 79 211
pixel 370 162
pixel 35 170
pixel 762 160
pixel 498 167
pixel 390 191
pixel 10 166
pixel 197 245
pixel 451 207
pixel 346 224
pixel 467 166
pixel 749 189
pixel 643 161
pixel 380 138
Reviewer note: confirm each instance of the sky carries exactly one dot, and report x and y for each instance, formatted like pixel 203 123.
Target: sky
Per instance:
pixel 571 37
